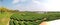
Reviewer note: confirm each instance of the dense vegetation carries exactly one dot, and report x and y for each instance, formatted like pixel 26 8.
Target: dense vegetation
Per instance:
pixel 30 18
pixel 5 15
pixel 26 18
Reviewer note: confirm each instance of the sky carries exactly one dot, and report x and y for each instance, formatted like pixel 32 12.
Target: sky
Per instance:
pixel 32 5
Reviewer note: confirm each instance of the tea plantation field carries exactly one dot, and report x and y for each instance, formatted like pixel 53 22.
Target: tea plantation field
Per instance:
pixel 29 18
pixel 26 18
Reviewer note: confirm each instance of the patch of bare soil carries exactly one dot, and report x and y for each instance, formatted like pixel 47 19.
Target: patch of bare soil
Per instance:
pixel 43 23
pixel 8 23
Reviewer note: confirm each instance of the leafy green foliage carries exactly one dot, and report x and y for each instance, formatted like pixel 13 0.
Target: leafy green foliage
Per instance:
pixel 29 18
pixel 11 22
pixel 15 22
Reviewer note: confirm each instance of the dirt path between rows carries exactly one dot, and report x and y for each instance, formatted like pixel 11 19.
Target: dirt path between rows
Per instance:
pixel 8 23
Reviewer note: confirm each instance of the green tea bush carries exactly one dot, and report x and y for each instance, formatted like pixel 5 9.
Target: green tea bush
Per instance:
pixel 32 18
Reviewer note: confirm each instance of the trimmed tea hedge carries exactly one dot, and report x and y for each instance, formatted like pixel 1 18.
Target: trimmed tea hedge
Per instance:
pixel 32 18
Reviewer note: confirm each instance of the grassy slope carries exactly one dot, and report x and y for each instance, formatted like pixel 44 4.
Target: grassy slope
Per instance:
pixel 4 18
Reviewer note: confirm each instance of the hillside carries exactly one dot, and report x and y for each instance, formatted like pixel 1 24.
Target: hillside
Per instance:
pixel 6 15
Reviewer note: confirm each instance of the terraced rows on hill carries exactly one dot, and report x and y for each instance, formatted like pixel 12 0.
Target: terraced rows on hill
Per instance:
pixel 31 18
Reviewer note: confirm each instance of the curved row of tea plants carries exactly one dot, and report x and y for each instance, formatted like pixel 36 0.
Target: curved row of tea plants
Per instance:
pixel 32 18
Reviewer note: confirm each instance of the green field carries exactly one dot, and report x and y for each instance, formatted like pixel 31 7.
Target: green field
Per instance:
pixel 4 18
pixel 11 17
pixel 30 18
